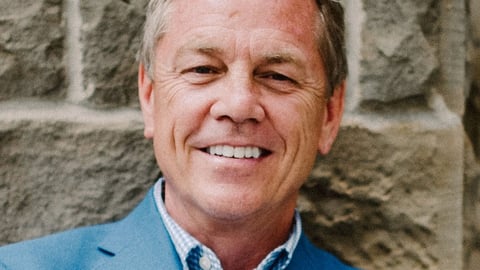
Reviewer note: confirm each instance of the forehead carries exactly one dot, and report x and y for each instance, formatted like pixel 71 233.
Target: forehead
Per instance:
pixel 296 17
pixel 246 28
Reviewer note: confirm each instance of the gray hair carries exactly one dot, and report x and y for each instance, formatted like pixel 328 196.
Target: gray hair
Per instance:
pixel 154 29
pixel 330 37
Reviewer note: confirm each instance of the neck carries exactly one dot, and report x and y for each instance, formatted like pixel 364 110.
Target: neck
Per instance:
pixel 244 246
pixel 240 243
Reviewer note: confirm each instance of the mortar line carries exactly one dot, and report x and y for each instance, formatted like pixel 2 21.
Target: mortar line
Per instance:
pixel 355 20
pixel 74 65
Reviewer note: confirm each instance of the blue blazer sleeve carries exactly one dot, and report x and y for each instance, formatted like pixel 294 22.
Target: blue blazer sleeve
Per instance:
pixel 140 241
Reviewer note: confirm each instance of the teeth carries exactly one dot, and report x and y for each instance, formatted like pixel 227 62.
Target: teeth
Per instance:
pixel 228 151
pixel 235 152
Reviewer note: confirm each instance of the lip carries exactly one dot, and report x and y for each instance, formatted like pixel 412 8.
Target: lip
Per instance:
pixel 255 152
pixel 232 164
pixel 267 142
pixel 264 144
pixel 226 170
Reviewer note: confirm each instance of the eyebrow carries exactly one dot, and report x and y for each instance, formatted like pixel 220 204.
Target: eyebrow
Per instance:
pixel 202 49
pixel 280 58
pixel 273 58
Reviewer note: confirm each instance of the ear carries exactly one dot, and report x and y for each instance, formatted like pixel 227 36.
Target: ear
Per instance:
pixel 145 92
pixel 332 118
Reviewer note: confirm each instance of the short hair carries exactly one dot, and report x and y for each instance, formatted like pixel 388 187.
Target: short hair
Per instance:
pixel 331 42
pixel 329 34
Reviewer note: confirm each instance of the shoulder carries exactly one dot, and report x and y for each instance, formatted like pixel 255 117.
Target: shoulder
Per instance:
pixel 308 256
pixel 138 241
pixel 54 251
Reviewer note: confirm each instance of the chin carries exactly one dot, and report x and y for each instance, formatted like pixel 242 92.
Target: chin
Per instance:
pixel 233 207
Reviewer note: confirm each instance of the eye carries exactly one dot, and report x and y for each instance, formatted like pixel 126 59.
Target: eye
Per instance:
pixel 204 70
pixel 201 74
pixel 278 77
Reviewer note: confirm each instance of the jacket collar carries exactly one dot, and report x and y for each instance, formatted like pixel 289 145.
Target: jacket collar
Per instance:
pixel 139 241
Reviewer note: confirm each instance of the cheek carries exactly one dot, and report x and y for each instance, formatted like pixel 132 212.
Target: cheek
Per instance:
pixel 180 111
pixel 312 113
pixel 298 117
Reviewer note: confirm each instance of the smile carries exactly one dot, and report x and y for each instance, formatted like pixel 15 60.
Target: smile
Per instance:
pixel 236 151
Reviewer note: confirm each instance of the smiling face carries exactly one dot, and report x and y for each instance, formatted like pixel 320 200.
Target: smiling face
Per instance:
pixel 236 106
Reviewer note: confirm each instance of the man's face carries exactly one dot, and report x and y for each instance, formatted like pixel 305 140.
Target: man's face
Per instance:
pixel 236 106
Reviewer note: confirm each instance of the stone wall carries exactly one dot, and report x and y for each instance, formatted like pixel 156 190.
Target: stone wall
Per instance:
pixel 472 148
pixel 389 196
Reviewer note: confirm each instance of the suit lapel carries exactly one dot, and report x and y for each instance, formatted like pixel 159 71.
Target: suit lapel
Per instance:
pixel 301 258
pixel 140 241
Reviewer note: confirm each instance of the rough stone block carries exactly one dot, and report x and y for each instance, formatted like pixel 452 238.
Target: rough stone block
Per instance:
pixel 471 118
pixel 475 40
pixel 63 167
pixel 475 19
pixel 389 195
pixel 452 51
pixel 31 49
pixel 397 61
pixel 472 105
pixel 471 207
pixel 111 34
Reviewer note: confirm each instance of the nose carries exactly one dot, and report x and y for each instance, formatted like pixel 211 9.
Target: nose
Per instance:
pixel 238 101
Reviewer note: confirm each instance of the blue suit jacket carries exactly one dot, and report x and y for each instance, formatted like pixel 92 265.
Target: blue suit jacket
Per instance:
pixel 140 241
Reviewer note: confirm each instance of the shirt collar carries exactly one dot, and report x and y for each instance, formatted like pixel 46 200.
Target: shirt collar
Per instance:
pixel 185 243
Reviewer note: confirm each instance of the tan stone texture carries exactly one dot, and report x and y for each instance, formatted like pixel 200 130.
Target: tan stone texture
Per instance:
pixel 62 166
pixel 388 193
pixel 111 37
pixel 397 61
pixel 31 49
pixel 471 198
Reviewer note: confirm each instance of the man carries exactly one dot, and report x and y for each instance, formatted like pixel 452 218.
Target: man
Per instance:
pixel 238 97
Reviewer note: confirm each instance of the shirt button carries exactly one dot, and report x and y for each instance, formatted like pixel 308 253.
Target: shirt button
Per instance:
pixel 205 263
